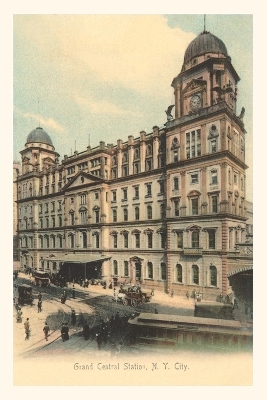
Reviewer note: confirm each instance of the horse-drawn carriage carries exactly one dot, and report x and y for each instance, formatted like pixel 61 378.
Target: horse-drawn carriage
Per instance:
pixel 25 294
pixel 133 295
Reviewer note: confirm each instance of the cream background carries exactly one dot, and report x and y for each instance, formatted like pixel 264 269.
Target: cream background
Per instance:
pixel 235 374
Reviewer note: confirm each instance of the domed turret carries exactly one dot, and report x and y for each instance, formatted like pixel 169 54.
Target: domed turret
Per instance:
pixel 38 135
pixel 206 42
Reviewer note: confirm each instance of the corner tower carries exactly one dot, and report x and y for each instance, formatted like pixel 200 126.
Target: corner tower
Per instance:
pixel 205 150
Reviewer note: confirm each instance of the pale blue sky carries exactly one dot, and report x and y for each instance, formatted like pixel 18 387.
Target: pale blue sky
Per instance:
pixel 109 76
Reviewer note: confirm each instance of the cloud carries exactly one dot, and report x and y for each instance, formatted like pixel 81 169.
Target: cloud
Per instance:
pixel 101 107
pixel 139 52
pixel 48 123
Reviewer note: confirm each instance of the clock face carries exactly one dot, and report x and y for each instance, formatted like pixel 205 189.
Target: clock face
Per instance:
pixel 195 102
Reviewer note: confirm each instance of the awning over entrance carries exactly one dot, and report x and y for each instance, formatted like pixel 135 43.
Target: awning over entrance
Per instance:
pixel 76 258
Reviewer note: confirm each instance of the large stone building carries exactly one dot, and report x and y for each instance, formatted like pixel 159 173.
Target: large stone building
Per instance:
pixel 166 208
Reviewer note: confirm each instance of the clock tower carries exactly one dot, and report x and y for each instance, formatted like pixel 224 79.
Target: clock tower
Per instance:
pixel 205 168
pixel 207 77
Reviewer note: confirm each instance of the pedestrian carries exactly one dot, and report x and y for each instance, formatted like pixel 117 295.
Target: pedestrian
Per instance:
pixel 172 293
pixel 73 317
pixel 19 315
pixel 221 298
pixel 40 296
pixel 46 330
pixel 156 311
pixel 27 328
pixel 152 292
pixel 65 332
pixel 86 331
pixel 187 295
pixel 73 292
pixel 39 306
pixel 235 303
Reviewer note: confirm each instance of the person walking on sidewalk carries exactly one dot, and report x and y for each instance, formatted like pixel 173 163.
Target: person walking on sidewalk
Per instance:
pixel 39 306
pixel 27 328
pixel 46 330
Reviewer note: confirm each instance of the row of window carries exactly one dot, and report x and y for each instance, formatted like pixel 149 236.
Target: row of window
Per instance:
pixel 51 241
pixel 179 273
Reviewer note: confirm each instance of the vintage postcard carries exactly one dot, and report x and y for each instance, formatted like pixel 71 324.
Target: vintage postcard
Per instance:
pixel 132 200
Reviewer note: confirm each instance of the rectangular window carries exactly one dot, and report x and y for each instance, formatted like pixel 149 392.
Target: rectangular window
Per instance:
pixel 125 237
pixel 148 165
pixel 214 204
pixel 176 184
pixel 161 187
pixel 194 203
pixel 149 192
pixel 114 196
pixel 125 194
pixel 214 177
pixel 211 234
pixel 180 240
pixel 194 178
pixel 115 241
pixel 176 208
pixel 137 240
pixel 149 240
pixel 193 144
pixel 136 192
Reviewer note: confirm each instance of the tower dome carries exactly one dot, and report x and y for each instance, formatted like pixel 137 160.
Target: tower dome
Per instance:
pixel 206 42
pixel 40 136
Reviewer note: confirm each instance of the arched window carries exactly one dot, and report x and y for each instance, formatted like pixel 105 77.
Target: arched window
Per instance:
pixel 179 273
pixel 149 212
pixel 114 160
pixel 71 241
pixel 115 240
pixel 213 275
pixel 163 271
pixel 195 274
pixel 195 239
pixel 126 268
pixel 150 240
pixel 71 217
pixel 125 240
pixel 136 211
pixel 84 240
pixel 53 239
pixel 150 270
pixel 136 153
pixel 47 241
pixel 41 241
pixel 97 244
pixel 115 267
